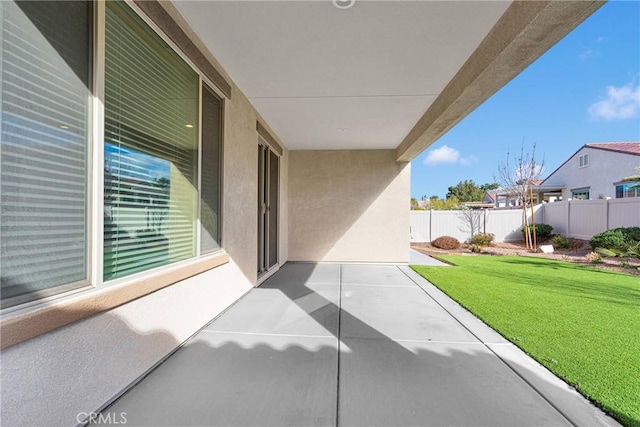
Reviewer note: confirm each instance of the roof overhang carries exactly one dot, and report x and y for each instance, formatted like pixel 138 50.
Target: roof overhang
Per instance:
pixel 381 74
pixel 535 188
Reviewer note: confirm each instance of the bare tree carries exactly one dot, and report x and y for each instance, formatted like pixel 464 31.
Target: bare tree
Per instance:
pixel 517 176
pixel 472 220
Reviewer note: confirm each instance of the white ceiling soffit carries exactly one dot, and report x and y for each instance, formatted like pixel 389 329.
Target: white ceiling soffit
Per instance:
pixel 329 78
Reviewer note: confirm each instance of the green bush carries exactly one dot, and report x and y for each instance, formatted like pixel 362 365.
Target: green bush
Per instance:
pixel 631 234
pixel 543 231
pixel 623 242
pixel 482 239
pixel 610 239
pixel 561 242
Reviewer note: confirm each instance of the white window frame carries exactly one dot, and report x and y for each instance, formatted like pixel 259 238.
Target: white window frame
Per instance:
pixel 100 282
pixel 95 169
pixel 584 160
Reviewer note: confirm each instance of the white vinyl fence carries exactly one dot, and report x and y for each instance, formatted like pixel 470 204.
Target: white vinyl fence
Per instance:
pixel 504 224
pixel 580 219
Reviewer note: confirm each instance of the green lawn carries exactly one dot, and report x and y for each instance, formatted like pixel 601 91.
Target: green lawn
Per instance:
pixel 581 323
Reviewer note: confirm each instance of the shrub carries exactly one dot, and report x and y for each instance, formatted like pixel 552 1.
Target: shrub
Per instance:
pixel 561 242
pixel 482 239
pixel 446 242
pixel 610 239
pixel 630 233
pixel 543 231
pixel 476 249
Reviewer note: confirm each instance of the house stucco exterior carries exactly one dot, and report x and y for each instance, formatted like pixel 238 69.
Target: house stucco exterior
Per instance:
pixel 605 169
pixel 348 206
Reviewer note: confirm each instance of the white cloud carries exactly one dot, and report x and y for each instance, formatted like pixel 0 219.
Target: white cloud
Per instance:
pixel 620 103
pixel 586 54
pixel 467 161
pixel 447 155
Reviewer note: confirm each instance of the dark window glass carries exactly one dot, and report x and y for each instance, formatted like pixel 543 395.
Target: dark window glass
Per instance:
pixel 273 208
pixel 210 179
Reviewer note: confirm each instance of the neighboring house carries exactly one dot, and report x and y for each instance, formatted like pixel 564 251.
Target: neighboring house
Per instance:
pixel 161 158
pixel 501 199
pixel 491 196
pixel 508 198
pixel 596 171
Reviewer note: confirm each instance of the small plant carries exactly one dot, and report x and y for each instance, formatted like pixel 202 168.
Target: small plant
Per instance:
pixel 565 258
pixel 593 258
pixel 561 242
pixel 446 242
pixel 543 231
pixel 476 249
pixel 482 239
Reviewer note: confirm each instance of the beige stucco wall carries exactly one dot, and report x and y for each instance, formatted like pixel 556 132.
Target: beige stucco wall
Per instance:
pixel 348 205
pixel 52 378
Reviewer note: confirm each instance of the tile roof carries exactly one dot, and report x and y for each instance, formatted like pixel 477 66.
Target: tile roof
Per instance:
pixel 491 195
pixel 618 147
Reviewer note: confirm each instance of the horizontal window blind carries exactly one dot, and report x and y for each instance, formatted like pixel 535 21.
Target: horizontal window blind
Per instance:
pixel 210 180
pixel 45 68
pixel 151 148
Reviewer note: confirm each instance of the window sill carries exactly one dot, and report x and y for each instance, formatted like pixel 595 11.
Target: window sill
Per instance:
pixel 23 326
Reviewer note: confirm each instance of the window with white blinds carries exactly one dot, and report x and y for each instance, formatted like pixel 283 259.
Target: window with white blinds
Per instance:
pixel 46 80
pixel 210 180
pixel 151 148
pixel 160 123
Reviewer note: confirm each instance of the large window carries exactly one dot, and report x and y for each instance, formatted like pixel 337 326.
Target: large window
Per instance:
pixel 46 81
pixel 162 146
pixel 151 149
pixel 627 189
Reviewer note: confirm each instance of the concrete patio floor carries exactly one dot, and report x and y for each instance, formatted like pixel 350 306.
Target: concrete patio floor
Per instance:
pixel 349 345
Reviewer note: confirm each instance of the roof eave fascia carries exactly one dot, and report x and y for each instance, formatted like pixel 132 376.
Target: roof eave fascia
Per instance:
pixel 525 31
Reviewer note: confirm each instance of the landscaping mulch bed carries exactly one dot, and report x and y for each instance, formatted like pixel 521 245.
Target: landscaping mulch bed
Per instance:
pixel 576 254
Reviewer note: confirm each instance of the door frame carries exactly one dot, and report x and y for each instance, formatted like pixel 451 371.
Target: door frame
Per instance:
pixel 264 232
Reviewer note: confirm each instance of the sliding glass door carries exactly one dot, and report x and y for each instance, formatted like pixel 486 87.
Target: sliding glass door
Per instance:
pixel 268 195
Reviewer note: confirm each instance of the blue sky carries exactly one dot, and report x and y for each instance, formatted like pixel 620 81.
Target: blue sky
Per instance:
pixel 584 89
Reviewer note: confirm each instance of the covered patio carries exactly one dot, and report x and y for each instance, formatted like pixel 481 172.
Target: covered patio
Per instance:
pixel 350 344
pixel 172 170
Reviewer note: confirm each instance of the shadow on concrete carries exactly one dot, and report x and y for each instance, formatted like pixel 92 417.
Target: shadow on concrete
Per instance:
pixel 263 378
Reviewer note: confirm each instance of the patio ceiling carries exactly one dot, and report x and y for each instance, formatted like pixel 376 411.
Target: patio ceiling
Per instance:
pixel 363 77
